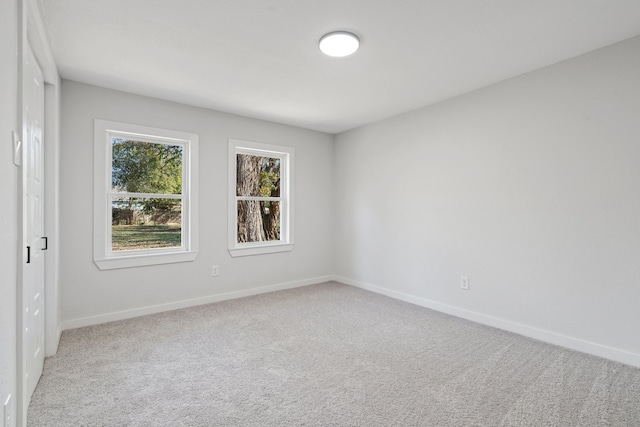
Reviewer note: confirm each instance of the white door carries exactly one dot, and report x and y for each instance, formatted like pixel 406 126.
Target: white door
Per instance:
pixel 32 345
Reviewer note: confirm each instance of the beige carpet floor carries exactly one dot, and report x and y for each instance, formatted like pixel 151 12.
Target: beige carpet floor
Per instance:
pixel 324 355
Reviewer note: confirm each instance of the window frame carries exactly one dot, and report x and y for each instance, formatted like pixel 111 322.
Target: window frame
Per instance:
pixel 286 199
pixel 103 255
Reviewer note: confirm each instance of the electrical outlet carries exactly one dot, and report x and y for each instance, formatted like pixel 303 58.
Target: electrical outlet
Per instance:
pixel 7 413
pixel 215 270
pixel 464 282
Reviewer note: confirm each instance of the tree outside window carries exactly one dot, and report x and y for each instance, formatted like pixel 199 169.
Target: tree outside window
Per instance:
pixel 261 198
pixel 259 217
pixel 145 195
pixel 143 168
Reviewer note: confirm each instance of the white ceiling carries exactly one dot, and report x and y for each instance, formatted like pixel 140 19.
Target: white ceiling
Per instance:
pixel 260 58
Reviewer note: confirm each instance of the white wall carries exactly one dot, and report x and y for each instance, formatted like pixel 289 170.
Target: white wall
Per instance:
pixel 89 295
pixel 531 187
pixel 8 192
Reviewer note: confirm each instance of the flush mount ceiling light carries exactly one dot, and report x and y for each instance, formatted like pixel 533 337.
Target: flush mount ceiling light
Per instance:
pixel 339 44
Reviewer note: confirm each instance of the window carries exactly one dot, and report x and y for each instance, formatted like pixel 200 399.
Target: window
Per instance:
pixel 145 195
pixel 260 198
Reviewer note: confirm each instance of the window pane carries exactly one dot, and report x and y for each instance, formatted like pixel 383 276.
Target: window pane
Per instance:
pixel 258 221
pixel 146 167
pixel 145 223
pixel 257 176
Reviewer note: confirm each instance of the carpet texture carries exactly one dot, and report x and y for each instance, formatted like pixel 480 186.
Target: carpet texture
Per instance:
pixel 324 355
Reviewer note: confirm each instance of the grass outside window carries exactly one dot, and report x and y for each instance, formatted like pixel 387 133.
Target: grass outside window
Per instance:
pixel 132 237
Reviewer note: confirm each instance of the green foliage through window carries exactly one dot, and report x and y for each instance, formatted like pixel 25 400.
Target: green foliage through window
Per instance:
pixel 146 167
pixel 142 167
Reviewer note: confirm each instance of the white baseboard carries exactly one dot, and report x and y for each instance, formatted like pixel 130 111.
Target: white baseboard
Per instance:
pixel 577 344
pixel 142 311
pixel 572 343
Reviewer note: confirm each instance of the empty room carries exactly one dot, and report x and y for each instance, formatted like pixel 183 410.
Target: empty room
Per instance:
pixel 320 213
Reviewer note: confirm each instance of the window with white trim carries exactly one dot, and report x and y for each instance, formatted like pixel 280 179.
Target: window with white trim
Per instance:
pixel 145 195
pixel 260 198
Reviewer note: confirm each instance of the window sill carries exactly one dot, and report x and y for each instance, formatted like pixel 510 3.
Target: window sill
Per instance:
pixel 259 250
pixel 113 263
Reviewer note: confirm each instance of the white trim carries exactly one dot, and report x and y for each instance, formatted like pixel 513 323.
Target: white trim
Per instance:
pixel 32 32
pixel 37 36
pixel 37 39
pixel 143 311
pixel 286 199
pixel 51 217
pixel 262 249
pixel 144 260
pixel 550 337
pixel 103 257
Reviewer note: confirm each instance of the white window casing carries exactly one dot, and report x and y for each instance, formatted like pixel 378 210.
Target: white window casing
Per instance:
pixel 104 257
pixel 285 200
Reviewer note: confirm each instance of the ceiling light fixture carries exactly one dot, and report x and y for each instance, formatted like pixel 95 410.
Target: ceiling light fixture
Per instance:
pixel 339 44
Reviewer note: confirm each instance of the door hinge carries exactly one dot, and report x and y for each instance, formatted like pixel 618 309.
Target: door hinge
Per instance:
pixel 46 243
pixel 28 254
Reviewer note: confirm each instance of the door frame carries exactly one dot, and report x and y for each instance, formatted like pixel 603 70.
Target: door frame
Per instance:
pixel 31 33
